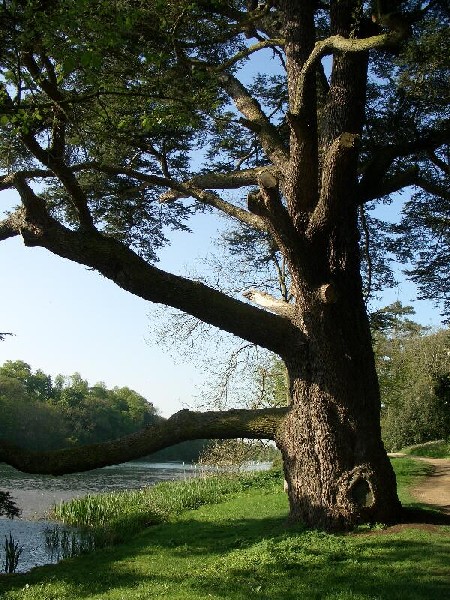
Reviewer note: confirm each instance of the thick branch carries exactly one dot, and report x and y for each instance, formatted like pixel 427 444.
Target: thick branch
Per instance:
pixel 66 176
pixel 120 264
pixel 193 188
pixel 256 120
pixel 390 185
pixel 382 158
pixel 335 183
pixel 432 187
pixel 442 165
pixel 338 43
pixel 408 178
pixel 223 181
pixel 8 227
pixel 182 426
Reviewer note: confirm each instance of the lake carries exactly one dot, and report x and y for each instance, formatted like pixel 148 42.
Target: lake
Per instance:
pixel 37 494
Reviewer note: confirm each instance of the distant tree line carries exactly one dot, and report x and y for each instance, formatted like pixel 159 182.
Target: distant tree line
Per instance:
pixel 42 413
pixel 413 366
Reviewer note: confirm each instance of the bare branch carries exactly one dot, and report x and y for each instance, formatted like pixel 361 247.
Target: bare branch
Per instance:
pixel 3 334
pixel 270 43
pixel 182 426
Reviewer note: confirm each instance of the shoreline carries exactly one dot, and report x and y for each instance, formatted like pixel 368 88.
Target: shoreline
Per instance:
pixel 36 504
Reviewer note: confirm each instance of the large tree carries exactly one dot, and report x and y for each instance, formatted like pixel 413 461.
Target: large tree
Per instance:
pixel 102 106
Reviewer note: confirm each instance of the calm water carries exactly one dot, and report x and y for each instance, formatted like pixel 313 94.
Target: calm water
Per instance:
pixel 36 494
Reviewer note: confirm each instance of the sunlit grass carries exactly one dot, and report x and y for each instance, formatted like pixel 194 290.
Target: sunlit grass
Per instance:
pixel 438 449
pixel 409 473
pixel 115 516
pixel 242 549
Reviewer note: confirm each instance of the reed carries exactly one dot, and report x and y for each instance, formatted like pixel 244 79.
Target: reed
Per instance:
pixel 113 517
pixel 66 543
pixel 12 554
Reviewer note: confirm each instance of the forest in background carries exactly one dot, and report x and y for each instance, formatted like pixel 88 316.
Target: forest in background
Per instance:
pixel 39 412
pixel 413 365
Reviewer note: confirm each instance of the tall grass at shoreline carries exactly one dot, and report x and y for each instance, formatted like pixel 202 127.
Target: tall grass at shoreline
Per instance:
pixel 116 516
pixel 239 546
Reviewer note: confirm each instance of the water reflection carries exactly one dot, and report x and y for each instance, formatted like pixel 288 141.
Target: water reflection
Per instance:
pixel 36 494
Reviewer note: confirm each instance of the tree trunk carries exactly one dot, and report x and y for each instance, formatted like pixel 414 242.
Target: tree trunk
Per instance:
pixel 335 463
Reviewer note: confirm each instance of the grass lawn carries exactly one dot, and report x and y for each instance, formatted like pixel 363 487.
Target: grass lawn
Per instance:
pixel 242 549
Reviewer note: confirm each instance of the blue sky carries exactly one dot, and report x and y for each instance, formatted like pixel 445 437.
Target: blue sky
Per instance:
pixel 68 318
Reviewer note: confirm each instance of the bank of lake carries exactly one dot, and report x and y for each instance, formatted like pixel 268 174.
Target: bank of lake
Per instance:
pixel 242 548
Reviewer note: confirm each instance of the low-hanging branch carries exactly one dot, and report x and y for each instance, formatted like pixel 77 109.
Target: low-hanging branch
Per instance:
pixel 182 426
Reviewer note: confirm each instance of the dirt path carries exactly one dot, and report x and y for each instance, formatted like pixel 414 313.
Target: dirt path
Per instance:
pixel 435 489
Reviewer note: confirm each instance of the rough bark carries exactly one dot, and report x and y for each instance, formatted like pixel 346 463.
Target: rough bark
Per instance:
pixel 335 464
pixel 307 199
pixel 182 426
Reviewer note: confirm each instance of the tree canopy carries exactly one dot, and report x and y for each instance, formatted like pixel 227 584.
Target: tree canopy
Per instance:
pixel 44 414
pixel 120 120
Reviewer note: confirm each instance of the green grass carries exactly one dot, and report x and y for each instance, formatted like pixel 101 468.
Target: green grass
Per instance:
pixel 242 548
pixel 438 449
pixel 409 473
pixel 113 517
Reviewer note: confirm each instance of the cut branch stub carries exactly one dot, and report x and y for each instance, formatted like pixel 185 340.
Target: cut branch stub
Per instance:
pixel 279 307
pixel 327 293
pixel 267 180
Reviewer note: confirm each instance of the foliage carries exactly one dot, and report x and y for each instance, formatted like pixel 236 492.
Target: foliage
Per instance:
pixel 122 119
pixel 184 451
pixel 414 372
pixel 235 455
pixel 435 449
pixel 8 507
pixel 13 550
pixel 421 240
pixel 40 413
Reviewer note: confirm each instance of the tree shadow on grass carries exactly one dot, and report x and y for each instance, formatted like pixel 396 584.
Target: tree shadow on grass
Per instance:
pixel 249 558
pixel 424 514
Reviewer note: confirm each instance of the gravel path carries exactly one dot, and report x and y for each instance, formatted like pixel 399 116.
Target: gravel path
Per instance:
pixel 435 489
